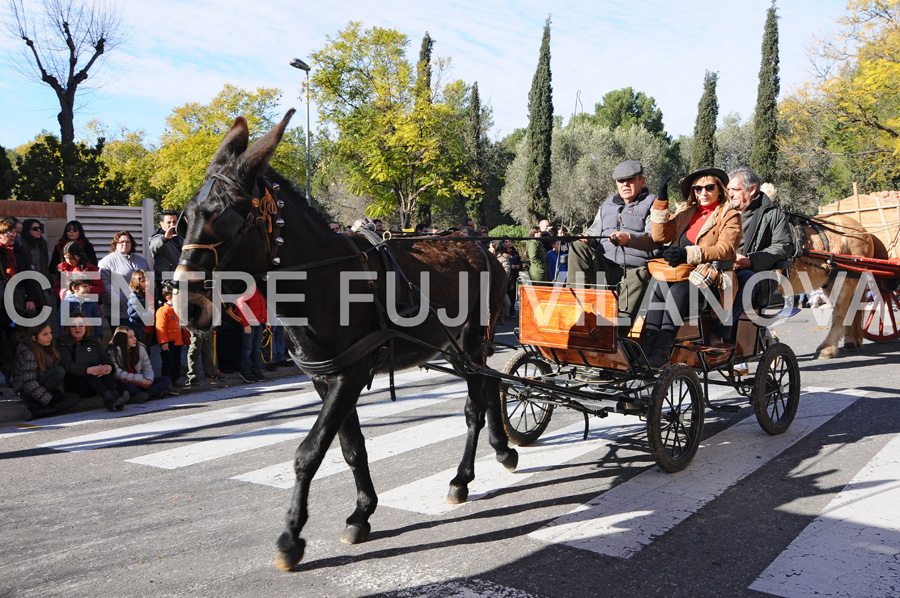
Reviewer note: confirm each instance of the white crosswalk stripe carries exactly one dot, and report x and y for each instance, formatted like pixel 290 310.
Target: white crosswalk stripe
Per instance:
pixel 427 495
pixel 199 452
pixel 652 503
pixel 199 420
pixel 378 448
pixel 853 547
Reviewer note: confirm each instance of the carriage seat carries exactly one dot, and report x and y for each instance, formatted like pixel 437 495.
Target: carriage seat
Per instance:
pixel 768 297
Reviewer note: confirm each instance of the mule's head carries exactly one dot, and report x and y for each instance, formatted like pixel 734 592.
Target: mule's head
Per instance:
pixel 228 224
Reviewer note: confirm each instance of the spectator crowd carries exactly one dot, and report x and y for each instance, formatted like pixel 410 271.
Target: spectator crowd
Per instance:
pixel 103 339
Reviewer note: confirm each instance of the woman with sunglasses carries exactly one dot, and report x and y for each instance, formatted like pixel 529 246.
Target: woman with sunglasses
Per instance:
pixel 34 242
pixel 704 229
pixel 73 232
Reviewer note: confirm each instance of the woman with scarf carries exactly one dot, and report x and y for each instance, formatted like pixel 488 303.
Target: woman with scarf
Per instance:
pixel 705 229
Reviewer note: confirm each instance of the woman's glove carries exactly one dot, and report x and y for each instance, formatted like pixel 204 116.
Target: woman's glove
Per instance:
pixel 675 255
pixel 663 192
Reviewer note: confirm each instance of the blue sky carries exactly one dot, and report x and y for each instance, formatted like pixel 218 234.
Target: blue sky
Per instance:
pixel 182 51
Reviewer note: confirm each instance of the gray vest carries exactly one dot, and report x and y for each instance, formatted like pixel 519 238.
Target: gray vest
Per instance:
pixel 614 215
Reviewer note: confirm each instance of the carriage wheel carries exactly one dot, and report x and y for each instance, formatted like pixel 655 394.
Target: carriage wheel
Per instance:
pixel 523 418
pixel 882 315
pixel 675 417
pixel 776 389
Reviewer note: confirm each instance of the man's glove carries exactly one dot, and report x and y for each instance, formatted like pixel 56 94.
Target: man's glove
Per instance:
pixel 675 255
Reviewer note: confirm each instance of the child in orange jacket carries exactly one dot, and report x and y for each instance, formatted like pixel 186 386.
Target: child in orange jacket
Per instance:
pixel 170 336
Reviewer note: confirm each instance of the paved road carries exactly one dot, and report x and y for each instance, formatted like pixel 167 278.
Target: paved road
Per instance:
pixel 186 496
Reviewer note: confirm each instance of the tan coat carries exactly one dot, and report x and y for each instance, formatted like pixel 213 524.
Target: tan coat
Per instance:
pixel 666 229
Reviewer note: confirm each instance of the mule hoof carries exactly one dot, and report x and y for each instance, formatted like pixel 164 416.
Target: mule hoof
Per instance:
pixel 510 461
pixel 290 552
pixel 457 495
pixel 827 353
pixel 356 534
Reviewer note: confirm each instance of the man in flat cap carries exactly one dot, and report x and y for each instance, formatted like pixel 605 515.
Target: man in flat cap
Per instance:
pixel 621 254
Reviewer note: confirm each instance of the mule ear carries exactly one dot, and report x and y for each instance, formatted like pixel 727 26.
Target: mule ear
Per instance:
pixel 233 145
pixel 255 159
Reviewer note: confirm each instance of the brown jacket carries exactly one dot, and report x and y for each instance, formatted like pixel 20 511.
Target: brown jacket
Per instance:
pixel 666 229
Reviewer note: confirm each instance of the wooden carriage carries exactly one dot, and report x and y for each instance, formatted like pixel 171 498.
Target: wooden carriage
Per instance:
pixel 573 356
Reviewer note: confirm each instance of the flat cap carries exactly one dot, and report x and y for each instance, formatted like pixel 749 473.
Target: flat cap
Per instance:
pixel 627 169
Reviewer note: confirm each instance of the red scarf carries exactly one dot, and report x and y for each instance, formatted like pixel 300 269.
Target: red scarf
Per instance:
pixel 698 220
pixel 12 268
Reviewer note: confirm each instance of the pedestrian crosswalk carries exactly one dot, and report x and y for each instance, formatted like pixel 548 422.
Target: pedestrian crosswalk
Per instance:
pixel 855 537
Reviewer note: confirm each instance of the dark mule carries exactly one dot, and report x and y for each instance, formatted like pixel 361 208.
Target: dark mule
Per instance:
pixel 225 214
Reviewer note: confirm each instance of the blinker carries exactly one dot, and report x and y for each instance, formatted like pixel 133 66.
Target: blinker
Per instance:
pixel 227 226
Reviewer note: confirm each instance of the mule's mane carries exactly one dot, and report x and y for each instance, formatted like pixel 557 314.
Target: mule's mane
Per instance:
pixel 298 199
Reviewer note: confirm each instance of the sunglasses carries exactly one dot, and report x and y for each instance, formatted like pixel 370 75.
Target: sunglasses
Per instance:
pixel 709 188
pixel 72 230
pixel 37 228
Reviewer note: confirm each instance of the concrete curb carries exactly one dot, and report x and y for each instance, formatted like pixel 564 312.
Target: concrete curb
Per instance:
pixel 11 410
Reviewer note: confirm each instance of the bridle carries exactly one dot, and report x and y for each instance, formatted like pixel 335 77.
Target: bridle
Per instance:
pixel 231 228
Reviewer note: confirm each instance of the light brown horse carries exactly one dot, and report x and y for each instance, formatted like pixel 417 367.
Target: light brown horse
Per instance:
pixel 845 236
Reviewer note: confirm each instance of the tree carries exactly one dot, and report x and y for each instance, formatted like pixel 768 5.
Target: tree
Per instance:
pixel 851 110
pixel 394 149
pixel 475 143
pixel 583 162
pixel 627 108
pixel 126 156
pixel 43 178
pixel 423 96
pixel 8 175
pixel 734 141
pixel 539 135
pixel 194 132
pixel 57 40
pixel 704 153
pixel 763 158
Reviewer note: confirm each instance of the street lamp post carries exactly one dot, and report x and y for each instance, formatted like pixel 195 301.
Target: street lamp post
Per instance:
pixel 299 64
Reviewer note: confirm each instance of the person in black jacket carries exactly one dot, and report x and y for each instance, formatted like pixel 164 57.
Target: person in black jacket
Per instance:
pixel 165 247
pixel 89 369
pixel 27 299
pixel 39 375
pixel 766 241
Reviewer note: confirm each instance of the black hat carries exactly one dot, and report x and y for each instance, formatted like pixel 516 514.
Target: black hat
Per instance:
pixel 627 169
pixel 703 171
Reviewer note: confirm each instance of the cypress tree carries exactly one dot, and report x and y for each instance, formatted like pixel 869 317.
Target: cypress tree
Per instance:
pixel 539 135
pixel 765 123
pixel 474 206
pixel 704 153
pixel 423 70
pixel 423 96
